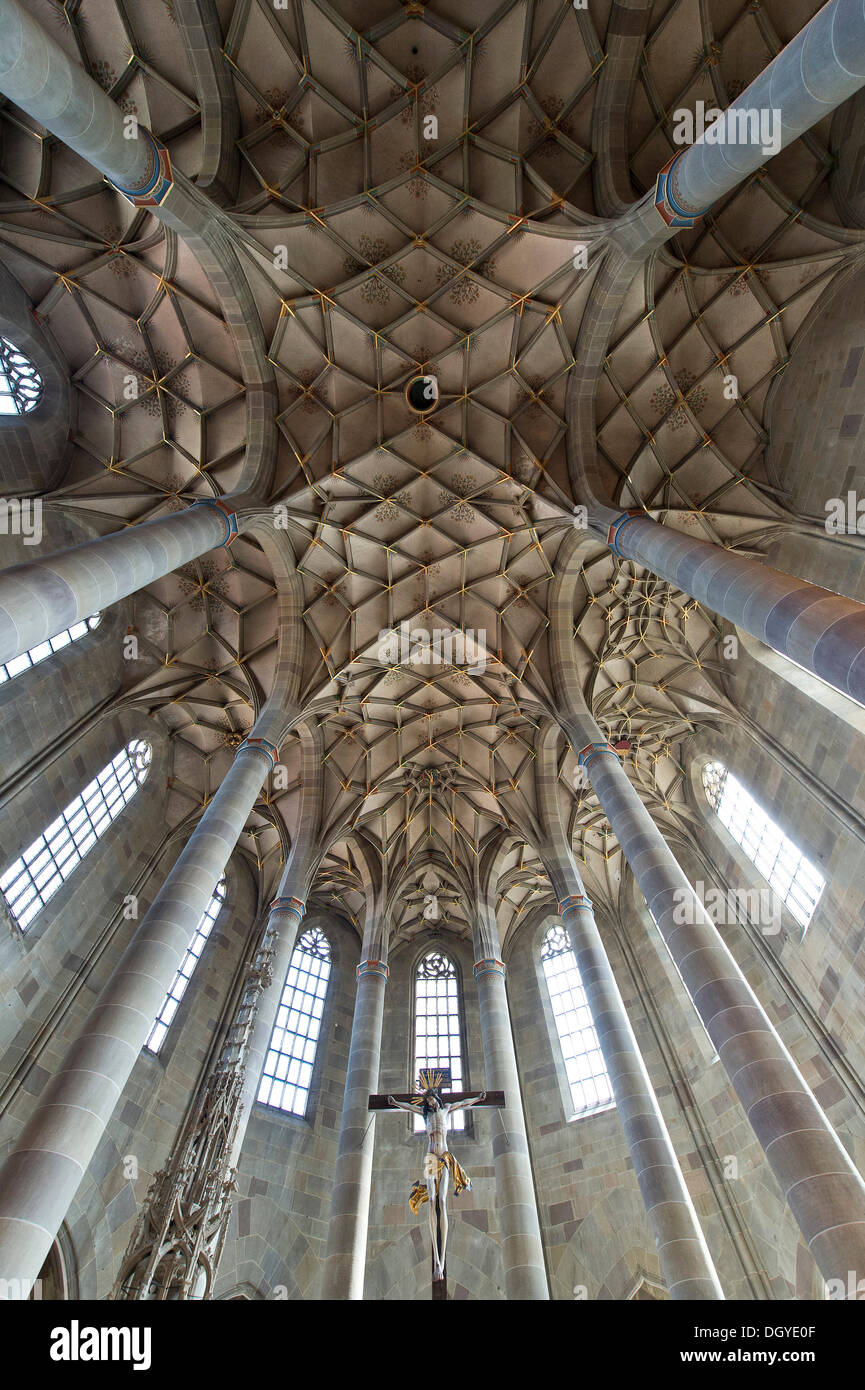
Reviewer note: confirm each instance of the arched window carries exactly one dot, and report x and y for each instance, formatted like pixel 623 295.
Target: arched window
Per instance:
pixel 287 1073
pixel 36 875
pixel 162 1022
pixel 437 1032
pixel 798 883
pixel 20 383
pixel 584 1062
pixel 37 654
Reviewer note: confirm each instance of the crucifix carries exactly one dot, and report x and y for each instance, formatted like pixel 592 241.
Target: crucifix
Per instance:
pixel 439 1164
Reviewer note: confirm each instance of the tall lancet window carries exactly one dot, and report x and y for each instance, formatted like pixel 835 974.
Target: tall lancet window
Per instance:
pixel 35 876
pixel 437 1030
pixel 798 883
pixel 287 1074
pixel 44 649
pixel 20 383
pixel 162 1022
pixel 583 1059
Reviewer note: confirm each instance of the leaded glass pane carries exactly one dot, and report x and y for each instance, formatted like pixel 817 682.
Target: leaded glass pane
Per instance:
pixel 287 1074
pixel 438 1040
pixel 798 883
pixel 584 1062
pixel 20 383
pixel 35 875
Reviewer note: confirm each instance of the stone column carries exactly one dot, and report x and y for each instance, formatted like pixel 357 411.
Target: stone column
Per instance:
pixel 685 1260
pixel 821 1184
pixel 38 76
pixel 817 71
pixel 819 630
pixel 349 1208
pixel 54 90
pixel 41 598
pixel 174 1250
pixel 516 1202
pixel 44 1170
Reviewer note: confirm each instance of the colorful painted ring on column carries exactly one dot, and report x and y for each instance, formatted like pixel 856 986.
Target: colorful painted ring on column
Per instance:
pixel 665 200
pixel 155 190
pixel 591 750
pixel 488 967
pixel 289 905
pixel 228 515
pixel 616 528
pixel 576 900
pixel 372 967
pixel 261 745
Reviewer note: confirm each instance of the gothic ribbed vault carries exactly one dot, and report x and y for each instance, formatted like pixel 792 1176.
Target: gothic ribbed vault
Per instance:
pixel 377 243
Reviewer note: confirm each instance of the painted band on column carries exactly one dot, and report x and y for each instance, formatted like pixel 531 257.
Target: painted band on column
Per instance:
pixel 665 201
pixel 154 192
pixel 295 905
pixel 488 967
pixel 616 528
pixel 574 901
pixel 592 750
pixel 229 516
pixel 372 967
pixel 261 745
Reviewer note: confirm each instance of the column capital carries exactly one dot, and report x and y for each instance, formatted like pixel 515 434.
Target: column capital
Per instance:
pixel 574 901
pixel 154 192
pixel 372 967
pixel 591 750
pixel 230 517
pixel 488 966
pixel 295 905
pixel 666 188
pixel 260 745
pixel 617 526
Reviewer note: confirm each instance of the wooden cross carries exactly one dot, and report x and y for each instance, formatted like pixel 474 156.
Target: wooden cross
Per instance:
pixel 492 1100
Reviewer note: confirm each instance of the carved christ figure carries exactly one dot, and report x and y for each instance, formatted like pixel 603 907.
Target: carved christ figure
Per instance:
pixel 439 1164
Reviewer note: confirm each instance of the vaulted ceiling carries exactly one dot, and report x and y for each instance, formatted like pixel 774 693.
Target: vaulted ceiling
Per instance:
pixel 409 188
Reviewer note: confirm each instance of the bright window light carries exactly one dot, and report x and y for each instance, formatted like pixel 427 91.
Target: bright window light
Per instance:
pixel 798 883
pixel 36 875
pixel 36 654
pixel 162 1022
pixel 437 1035
pixel 584 1062
pixel 287 1074
pixel 20 383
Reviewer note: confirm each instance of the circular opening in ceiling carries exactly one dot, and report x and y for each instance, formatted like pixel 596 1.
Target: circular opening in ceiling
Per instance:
pixel 422 394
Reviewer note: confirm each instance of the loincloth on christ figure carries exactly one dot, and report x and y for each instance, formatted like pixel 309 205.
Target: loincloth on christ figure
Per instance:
pixel 459 1177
